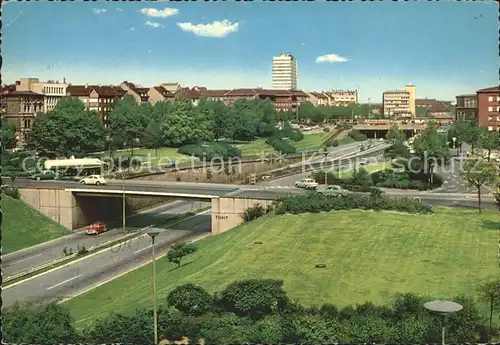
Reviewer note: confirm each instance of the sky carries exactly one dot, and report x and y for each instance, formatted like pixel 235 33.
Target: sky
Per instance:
pixel 444 48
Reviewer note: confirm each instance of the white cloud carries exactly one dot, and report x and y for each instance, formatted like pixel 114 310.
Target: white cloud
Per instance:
pixel 132 28
pixel 216 29
pixel 118 9
pixel 330 58
pixel 153 12
pixel 153 24
pixel 98 10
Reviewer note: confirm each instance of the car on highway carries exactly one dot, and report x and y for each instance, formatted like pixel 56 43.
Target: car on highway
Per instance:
pixel 93 179
pixel 307 183
pixel 44 175
pixel 334 190
pixel 96 228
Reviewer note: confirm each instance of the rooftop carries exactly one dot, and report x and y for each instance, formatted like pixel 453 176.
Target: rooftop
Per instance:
pixel 489 89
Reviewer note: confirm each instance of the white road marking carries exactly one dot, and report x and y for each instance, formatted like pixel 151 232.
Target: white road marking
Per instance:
pixel 140 250
pixel 64 282
pixel 26 259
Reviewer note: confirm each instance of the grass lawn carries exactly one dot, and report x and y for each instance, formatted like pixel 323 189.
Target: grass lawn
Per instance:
pixel 23 226
pixel 369 257
pixel 165 155
pixel 311 141
pixel 253 148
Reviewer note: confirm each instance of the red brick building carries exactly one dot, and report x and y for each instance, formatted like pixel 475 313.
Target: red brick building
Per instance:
pixel 488 108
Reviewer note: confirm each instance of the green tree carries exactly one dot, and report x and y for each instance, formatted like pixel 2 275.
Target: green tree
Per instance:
pixel 8 135
pixel 153 138
pixel 255 298
pixel 488 140
pixel 38 324
pixel 190 299
pixel 68 129
pixel 128 121
pixel 478 172
pixel 362 177
pixel 432 149
pixel 394 134
pixel 307 111
pixel 490 293
pixel 180 250
pixel 136 328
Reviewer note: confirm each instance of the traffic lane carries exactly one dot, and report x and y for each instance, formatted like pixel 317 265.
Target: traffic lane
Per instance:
pixel 469 204
pixel 132 186
pixel 24 260
pixel 68 281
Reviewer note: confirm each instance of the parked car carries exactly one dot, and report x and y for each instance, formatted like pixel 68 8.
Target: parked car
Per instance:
pixel 96 228
pixel 93 179
pixel 307 183
pixel 334 190
pixel 44 175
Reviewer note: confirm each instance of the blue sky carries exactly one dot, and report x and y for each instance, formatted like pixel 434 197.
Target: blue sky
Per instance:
pixel 444 48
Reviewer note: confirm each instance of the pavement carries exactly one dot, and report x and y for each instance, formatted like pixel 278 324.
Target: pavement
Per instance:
pixel 25 259
pixel 79 276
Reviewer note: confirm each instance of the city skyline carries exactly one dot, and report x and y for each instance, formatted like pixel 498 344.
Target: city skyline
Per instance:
pixel 225 45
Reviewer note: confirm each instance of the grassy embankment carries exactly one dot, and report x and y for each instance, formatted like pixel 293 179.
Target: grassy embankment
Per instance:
pixel 23 226
pixel 369 256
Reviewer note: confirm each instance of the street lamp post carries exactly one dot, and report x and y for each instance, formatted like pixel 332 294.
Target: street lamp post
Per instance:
pixel 443 308
pixel 153 234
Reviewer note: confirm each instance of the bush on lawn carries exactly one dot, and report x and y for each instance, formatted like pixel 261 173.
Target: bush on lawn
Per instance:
pixel 315 202
pixel 210 151
pixel 357 135
pixel 13 192
pixel 389 178
pixel 280 145
pixel 288 132
pixel 253 212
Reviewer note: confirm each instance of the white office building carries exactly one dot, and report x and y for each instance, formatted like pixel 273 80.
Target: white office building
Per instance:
pixel 284 72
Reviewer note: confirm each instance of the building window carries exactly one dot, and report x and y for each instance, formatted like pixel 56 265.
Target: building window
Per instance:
pixel 490 99
pixel 490 128
pixel 490 108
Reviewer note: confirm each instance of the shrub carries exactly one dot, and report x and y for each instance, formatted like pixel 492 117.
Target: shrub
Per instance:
pixel 280 145
pixel 190 299
pixel 180 250
pixel 326 129
pixel 335 143
pixel 13 192
pixel 314 203
pixel 210 151
pixel 290 133
pixel 253 213
pixel 357 135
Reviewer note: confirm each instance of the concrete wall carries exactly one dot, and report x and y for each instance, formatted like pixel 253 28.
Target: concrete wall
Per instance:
pixel 227 212
pixel 59 205
pixel 75 212
pixel 217 175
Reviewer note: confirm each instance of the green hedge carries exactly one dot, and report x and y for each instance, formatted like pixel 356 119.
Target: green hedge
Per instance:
pixel 210 150
pixel 281 145
pixel 315 202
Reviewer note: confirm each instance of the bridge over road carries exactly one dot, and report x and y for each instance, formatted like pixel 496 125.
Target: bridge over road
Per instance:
pixel 74 205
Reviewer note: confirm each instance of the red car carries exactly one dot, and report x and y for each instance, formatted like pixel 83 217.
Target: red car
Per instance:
pixel 96 228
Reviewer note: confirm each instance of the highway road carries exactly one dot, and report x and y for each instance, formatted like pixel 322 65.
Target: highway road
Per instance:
pixel 25 259
pixel 75 278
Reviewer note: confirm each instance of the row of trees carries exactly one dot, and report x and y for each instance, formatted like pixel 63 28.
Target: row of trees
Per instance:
pixel 258 311
pixel 71 129
pixel 318 114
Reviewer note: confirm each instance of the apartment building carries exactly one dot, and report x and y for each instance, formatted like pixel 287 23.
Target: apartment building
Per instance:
pixel 339 98
pixel 214 95
pixel 171 87
pixel 284 72
pixel 317 98
pixel 488 108
pixel 140 94
pixel 52 90
pixel 100 98
pixel 20 109
pixel 158 94
pixel 396 103
pixel 466 107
